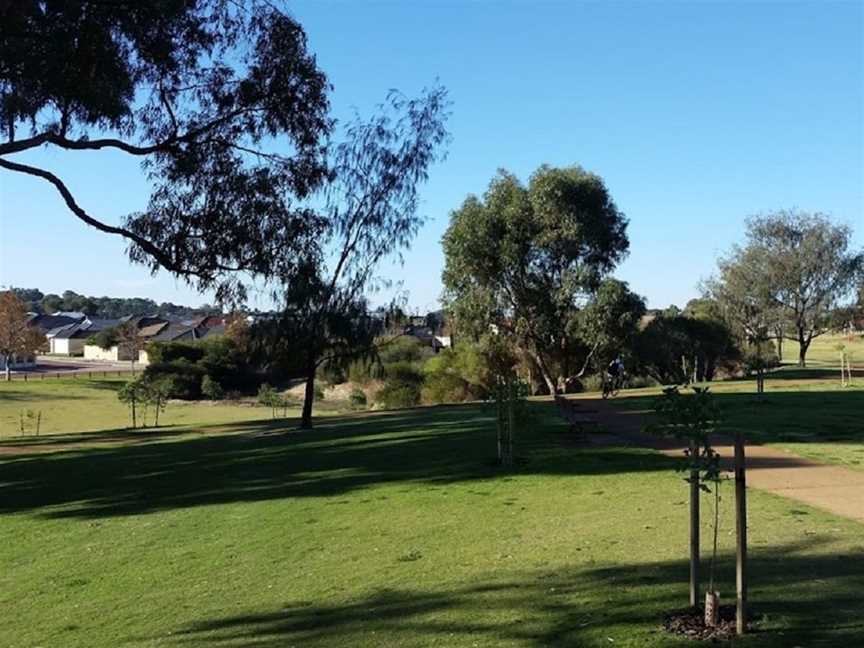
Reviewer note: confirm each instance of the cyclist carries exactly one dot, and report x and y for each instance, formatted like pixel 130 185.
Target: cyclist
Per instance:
pixel 614 377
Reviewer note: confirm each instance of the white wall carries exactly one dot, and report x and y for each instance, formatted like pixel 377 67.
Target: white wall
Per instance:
pixel 114 354
pixel 67 346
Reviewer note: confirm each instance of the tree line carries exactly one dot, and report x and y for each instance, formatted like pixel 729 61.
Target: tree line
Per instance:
pixel 106 307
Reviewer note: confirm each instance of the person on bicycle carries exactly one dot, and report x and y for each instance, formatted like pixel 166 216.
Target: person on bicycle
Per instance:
pixel 615 370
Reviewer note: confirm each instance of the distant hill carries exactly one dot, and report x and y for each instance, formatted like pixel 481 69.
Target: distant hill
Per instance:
pixel 106 307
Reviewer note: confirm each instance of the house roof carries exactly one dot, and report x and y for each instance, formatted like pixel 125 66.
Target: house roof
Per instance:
pixel 174 332
pixel 47 323
pixel 152 330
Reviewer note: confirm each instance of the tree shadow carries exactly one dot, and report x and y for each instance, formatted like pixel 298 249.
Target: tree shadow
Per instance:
pixel 783 416
pixel 796 598
pixel 262 460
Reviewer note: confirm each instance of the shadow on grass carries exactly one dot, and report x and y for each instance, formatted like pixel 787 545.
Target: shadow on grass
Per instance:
pixel 796 598
pixel 268 459
pixel 783 416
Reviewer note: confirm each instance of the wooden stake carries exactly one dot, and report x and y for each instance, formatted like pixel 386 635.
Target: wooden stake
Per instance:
pixel 740 535
pixel 694 529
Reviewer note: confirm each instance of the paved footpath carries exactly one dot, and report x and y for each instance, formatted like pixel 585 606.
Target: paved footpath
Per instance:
pixel 832 488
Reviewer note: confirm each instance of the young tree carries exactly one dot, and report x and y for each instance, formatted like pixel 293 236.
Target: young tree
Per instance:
pixel 371 206
pixel 221 102
pixel 132 343
pixel 525 260
pixel 16 337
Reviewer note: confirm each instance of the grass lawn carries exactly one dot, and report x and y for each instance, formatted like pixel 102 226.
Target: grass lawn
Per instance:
pixel 823 350
pixel 74 405
pixel 388 529
pixel 805 411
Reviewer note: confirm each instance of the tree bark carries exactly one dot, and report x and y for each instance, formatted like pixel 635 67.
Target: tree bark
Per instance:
pixel 8 369
pixel 803 345
pixel 544 372
pixel 308 399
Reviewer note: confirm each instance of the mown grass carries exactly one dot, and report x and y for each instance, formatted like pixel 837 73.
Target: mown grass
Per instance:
pixel 389 529
pixel 75 405
pixel 805 411
pixel 824 351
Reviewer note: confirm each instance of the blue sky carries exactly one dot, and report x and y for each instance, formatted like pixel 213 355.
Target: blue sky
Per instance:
pixel 696 115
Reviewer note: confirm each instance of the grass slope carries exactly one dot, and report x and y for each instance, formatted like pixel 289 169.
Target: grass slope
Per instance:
pixel 388 529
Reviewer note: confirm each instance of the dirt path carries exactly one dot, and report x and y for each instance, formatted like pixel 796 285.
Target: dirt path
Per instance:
pixel 832 488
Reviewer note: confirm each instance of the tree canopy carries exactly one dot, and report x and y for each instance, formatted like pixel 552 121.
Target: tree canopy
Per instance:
pixel 791 273
pixel 16 337
pixel 524 260
pixel 202 92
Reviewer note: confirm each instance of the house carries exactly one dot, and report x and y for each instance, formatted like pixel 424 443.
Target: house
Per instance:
pixel 71 340
pixel 148 327
pixel 51 325
pixel 186 331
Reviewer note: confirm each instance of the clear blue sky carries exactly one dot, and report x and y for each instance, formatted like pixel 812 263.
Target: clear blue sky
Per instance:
pixel 696 115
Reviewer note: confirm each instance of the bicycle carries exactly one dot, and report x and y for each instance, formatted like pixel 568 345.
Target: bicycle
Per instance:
pixel 612 385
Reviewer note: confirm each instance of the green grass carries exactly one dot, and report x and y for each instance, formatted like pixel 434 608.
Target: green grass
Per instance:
pixel 805 411
pixel 823 350
pixel 388 529
pixel 75 405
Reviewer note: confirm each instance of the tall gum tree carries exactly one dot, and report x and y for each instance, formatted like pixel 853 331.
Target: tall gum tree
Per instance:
pixel 525 260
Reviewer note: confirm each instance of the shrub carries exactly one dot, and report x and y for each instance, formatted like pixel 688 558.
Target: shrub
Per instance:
pixel 331 373
pixel 456 375
pixel 160 352
pixel 401 386
pixel 357 398
pixel 401 349
pixel 181 377
pixel 362 371
pixel 318 392
pixel 212 389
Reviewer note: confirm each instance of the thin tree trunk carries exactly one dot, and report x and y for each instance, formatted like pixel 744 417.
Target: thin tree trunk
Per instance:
pixel 8 370
pixel 308 398
pixel 544 372
pixel 694 529
pixel 802 351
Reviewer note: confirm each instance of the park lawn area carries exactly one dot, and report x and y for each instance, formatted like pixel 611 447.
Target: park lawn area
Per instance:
pixel 823 350
pixel 389 529
pixel 805 411
pixel 76 405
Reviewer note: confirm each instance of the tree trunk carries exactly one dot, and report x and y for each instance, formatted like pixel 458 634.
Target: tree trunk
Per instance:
pixel 803 345
pixel 308 398
pixel 8 369
pixel 694 530
pixel 544 372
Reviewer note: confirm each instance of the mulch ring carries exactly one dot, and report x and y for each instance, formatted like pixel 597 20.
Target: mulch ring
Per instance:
pixel 690 623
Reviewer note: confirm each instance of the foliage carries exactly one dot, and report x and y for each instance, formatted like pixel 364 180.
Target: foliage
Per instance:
pixel 402 385
pixel 211 389
pixel 457 374
pixel 371 205
pixel 682 349
pixel 196 91
pixel 142 393
pixel 182 377
pixel 523 260
pixel 793 270
pixel 106 338
pixel 16 337
pixel 106 307
pixel 357 398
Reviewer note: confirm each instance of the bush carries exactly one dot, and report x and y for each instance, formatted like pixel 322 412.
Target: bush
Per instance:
pixel 396 395
pixel 765 355
pixel 357 398
pixel 212 389
pixel 362 371
pixel 160 352
pixel 181 377
pixel 401 349
pixel 318 392
pixel 331 373
pixel 401 386
pixel 456 375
